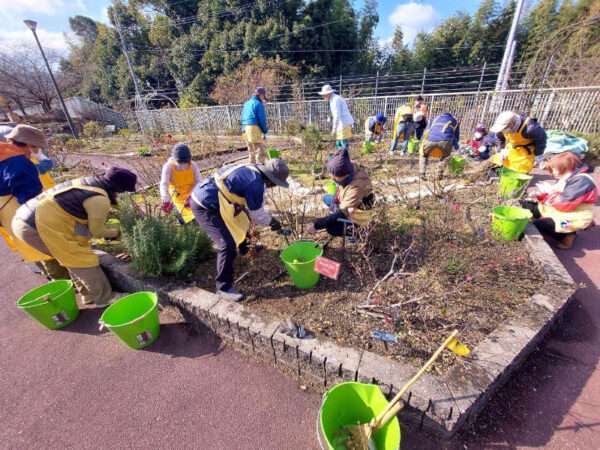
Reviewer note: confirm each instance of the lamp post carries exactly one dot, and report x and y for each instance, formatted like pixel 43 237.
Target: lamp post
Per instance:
pixel 32 25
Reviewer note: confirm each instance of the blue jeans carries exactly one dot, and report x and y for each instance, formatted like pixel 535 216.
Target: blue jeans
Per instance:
pixel 329 200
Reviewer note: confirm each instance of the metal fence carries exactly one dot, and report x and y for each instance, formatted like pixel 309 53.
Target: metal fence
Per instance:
pixel 569 109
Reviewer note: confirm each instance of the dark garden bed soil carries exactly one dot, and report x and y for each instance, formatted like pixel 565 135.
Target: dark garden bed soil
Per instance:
pixel 449 277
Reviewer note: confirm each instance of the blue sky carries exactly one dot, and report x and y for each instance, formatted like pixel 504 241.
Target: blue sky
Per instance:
pixel 53 15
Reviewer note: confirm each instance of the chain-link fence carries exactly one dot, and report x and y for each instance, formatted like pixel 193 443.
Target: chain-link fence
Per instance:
pixel 569 109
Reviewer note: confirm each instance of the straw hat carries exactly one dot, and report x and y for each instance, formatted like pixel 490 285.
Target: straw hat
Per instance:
pixel 28 135
pixel 326 90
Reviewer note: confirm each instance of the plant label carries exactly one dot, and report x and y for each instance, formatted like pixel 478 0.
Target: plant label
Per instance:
pixel 328 267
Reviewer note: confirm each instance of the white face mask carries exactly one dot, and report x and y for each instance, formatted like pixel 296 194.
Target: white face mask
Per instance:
pixel 478 135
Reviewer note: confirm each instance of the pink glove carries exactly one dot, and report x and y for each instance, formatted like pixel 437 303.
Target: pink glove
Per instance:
pixel 167 207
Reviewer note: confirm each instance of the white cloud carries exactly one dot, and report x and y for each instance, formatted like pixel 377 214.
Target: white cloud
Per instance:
pixel 49 40
pixel 413 18
pixel 47 7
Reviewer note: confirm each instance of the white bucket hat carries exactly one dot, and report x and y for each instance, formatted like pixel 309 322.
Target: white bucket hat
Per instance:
pixel 326 90
pixel 504 121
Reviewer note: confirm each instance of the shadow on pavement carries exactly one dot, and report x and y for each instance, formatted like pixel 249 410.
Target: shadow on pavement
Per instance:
pixel 179 340
pixel 86 323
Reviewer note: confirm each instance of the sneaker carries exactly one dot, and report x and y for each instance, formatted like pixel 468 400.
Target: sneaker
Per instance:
pixel 230 294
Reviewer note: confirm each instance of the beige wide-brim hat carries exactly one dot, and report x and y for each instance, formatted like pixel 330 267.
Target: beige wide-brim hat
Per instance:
pixel 326 90
pixel 28 135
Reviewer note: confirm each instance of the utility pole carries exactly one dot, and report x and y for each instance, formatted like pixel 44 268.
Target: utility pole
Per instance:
pixel 139 102
pixel 32 25
pixel 506 66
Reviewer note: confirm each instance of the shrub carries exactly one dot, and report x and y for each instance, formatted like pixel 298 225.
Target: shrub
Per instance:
pixel 158 245
pixel 144 151
pixel 93 130
pixel 125 133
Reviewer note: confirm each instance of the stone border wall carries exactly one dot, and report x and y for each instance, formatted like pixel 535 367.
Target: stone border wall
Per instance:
pixel 439 405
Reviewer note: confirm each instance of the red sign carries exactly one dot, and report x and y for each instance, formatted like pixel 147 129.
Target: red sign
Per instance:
pixel 328 267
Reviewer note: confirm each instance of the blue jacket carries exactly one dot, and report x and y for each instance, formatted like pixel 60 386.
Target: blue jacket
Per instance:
pixel 243 182
pixel 19 177
pixel 444 128
pixel 254 113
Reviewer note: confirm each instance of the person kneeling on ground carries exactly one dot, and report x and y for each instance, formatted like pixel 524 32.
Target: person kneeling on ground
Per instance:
pixel 225 204
pixel 374 128
pixel 61 222
pixel 404 129
pixel 479 147
pixel 353 199
pixel 20 182
pixel 522 139
pixel 440 138
pixel 565 207
pixel 178 178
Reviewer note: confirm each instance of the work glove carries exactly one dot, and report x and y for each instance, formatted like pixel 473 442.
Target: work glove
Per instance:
pixel 167 207
pixel 45 165
pixel 275 224
pixel 244 247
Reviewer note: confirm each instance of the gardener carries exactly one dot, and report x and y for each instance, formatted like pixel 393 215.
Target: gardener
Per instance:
pixel 19 182
pixel 341 118
pixel 61 221
pixel 224 206
pixel 353 200
pixel 254 124
pixel 178 178
pixel 404 129
pixel 479 146
pixel 420 116
pixel 523 140
pixel 375 127
pixel 565 207
pixel 439 139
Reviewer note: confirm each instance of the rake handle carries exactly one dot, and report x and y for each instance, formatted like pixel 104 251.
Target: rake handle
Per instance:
pixel 394 406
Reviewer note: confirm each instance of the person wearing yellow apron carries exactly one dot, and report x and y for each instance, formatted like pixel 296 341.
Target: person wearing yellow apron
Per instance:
pixel 375 127
pixel 341 118
pixel 44 165
pixel 61 222
pixel 225 205
pixel 254 125
pixel 19 183
pixel 404 129
pixel 440 138
pixel 522 139
pixel 178 178
pixel 353 200
pixel 567 206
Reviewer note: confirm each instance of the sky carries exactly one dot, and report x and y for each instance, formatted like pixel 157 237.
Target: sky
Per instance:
pixel 53 18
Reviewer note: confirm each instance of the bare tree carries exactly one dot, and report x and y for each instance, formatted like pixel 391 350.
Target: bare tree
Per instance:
pixel 24 79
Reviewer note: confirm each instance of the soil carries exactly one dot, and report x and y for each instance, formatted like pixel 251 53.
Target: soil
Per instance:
pixel 453 276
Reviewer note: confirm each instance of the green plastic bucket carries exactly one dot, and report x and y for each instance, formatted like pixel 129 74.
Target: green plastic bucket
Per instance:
pixel 352 403
pixel 412 146
pixel 331 187
pixel 273 153
pixel 299 260
pixel 456 164
pixel 509 222
pixel 58 310
pixel 512 184
pixel 134 319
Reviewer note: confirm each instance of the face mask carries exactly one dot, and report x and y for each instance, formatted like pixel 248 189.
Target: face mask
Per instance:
pixel 478 135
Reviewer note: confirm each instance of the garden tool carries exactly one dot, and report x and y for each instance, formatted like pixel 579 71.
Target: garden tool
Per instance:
pixel 360 434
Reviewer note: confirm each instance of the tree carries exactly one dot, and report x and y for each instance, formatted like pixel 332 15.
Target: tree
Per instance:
pixel 24 79
pixel 401 56
pixel 274 75
pixel 540 22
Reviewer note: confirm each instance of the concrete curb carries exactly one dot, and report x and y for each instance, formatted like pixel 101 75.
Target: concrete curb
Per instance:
pixel 440 405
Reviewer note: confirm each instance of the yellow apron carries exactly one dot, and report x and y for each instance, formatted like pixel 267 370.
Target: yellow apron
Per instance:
pixel 435 152
pixel 45 178
pixel 570 221
pixel 180 188
pixel 9 206
pixel 253 134
pixel 58 229
pixel 377 130
pixel 400 111
pixel 344 134
pixel 233 208
pixel 521 150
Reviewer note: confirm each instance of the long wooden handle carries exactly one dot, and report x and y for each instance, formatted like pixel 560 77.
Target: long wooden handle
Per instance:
pixel 393 406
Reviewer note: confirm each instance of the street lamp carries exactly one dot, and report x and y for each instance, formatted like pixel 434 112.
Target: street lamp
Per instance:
pixel 32 25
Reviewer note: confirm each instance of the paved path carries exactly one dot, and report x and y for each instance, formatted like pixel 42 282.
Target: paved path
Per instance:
pixel 81 389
